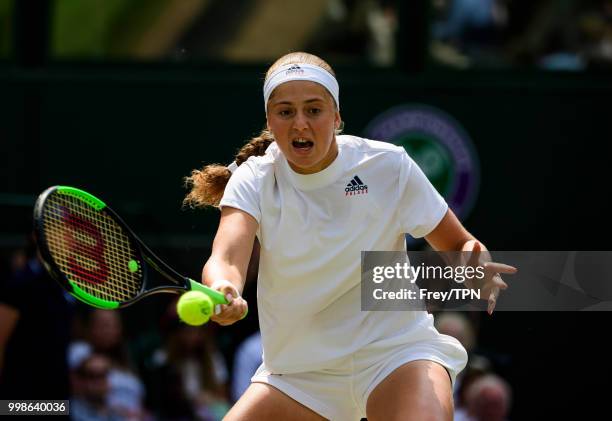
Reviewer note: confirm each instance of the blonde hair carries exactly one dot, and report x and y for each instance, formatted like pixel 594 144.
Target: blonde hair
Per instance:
pixel 208 184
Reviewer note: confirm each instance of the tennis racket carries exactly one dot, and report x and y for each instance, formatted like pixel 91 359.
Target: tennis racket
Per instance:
pixel 92 253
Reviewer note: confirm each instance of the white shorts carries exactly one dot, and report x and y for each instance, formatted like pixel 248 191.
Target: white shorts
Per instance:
pixel 340 392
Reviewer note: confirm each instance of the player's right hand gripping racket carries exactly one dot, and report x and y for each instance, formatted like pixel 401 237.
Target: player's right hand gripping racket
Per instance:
pixel 93 254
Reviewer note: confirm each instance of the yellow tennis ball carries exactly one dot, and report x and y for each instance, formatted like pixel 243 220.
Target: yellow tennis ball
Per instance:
pixel 194 308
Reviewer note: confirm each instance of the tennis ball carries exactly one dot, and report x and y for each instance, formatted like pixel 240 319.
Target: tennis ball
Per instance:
pixel 133 266
pixel 194 308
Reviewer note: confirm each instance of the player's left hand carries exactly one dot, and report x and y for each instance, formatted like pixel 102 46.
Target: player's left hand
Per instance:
pixel 492 283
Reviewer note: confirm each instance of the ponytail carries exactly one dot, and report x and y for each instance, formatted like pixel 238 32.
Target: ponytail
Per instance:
pixel 208 184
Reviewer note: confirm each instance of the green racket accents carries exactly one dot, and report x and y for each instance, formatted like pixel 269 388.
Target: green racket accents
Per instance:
pixel 90 199
pixel 216 296
pixel 91 300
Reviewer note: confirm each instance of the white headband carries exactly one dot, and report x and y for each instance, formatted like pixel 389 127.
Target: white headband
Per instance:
pixel 301 71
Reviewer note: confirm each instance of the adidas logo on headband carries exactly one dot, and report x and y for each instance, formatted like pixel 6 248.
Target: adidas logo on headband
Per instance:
pixel 301 71
pixel 294 69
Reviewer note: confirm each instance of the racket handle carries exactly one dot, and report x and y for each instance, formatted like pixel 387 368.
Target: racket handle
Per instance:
pixel 216 296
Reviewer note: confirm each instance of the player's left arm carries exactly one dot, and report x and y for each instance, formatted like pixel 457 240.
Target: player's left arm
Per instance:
pixel 451 235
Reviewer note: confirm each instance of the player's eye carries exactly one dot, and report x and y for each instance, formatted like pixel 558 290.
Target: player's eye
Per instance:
pixel 315 111
pixel 284 113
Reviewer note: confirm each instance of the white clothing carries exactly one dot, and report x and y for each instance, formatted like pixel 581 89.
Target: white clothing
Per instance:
pixel 312 229
pixel 341 392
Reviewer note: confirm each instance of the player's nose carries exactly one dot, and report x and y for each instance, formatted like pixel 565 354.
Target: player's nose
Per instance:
pixel 300 122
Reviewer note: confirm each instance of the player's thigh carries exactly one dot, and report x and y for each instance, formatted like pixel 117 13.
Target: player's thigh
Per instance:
pixel 264 402
pixel 418 390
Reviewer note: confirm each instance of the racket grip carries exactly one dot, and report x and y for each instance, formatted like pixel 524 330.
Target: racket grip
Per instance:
pixel 214 295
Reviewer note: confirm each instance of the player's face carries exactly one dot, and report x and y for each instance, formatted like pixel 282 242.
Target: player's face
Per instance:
pixel 302 117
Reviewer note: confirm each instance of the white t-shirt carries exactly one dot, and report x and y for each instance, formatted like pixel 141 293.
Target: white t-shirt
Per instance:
pixel 312 229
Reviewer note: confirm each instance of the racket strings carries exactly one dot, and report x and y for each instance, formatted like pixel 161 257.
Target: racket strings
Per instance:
pixel 90 248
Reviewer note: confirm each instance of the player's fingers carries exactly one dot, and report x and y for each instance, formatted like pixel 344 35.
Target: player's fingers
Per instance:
pixel 474 255
pixel 219 308
pixel 498 282
pixel 239 309
pixel 221 315
pixel 500 267
pixel 229 292
pixel 501 284
pixel 233 308
pixel 494 286
pixel 226 288
pixel 246 310
pixel 226 314
pixel 224 311
pixel 492 300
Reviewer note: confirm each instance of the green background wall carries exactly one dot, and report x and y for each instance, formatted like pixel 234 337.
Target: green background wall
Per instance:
pixel 130 134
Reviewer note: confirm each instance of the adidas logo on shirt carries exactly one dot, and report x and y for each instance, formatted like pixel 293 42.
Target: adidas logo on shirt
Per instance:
pixel 356 186
pixel 294 69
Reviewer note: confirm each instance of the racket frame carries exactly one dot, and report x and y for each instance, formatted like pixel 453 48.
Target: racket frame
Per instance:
pixel 179 283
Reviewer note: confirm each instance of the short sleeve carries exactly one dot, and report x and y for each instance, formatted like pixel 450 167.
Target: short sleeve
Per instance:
pixel 421 207
pixel 242 191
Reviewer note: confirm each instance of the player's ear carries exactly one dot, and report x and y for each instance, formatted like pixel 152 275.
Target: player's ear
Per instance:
pixel 337 120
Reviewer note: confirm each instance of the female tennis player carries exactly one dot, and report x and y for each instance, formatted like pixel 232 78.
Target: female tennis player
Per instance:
pixel 323 357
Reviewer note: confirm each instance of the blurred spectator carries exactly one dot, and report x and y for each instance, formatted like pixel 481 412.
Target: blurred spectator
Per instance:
pixel 35 323
pixel 357 29
pixel 382 24
pixel 469 21
pixel 247 360
pixel 548 37
pixel 488 399
pixel 187 378
pixel 105 336
pixel 458 326
pixel 90 384
pixel 476 368
pixel 565 35
pixel 468 30
pixel 595 25
pixel 554 35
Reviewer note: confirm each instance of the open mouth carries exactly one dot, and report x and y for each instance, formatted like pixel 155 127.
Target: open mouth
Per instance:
pixel 302 144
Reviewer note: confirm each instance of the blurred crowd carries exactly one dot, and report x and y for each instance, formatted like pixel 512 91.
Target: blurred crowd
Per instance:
pixel 481 394
pixel 54 347
pixel 567 35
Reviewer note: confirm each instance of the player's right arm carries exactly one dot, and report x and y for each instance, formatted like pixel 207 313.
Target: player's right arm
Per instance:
pixel 226 269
